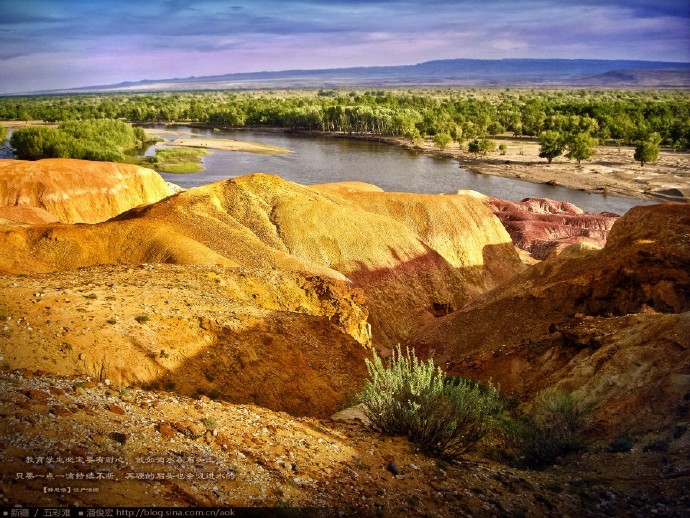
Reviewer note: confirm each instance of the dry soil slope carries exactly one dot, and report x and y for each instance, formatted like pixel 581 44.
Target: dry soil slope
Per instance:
pixel 278 339
pixel 612 325
pixel 76 191
pixel 408 266
pixel 456 231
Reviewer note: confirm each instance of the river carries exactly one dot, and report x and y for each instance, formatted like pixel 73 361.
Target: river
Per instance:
pixel 321 159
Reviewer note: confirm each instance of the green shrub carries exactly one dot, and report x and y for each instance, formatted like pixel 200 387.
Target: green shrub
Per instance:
pixel 210 423
pixel 443 416
pixel 179 160
pixel 678 432
pixel 101 140
pixel 550 430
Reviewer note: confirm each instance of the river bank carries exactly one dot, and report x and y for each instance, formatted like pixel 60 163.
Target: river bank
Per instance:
pixel 612 171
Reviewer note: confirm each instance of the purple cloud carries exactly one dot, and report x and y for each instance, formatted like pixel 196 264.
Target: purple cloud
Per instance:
pixel 50 44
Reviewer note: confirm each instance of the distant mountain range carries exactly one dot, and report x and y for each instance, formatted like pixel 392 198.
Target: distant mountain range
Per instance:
pixel 447 72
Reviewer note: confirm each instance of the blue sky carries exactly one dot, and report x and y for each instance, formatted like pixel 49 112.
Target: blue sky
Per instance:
pixel 51 44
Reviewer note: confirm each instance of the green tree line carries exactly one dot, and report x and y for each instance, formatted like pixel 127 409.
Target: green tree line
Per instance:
pixel 101 139
pixel 626 117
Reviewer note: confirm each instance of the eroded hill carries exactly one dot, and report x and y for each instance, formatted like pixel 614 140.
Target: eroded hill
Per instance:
pixel 414 256
pixel 281 340
pixel 269 295
pixel 611 325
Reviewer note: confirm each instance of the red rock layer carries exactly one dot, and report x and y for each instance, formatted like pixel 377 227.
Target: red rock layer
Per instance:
pixel 540 226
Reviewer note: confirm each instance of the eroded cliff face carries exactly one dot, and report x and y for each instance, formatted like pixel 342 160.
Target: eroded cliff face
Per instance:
pixel 465 252
pixel 76 191
pixel 414 256
pixel 611 325
pixel 540 226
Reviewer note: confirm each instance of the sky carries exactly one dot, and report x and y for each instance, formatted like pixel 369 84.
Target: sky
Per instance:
pixel 56 44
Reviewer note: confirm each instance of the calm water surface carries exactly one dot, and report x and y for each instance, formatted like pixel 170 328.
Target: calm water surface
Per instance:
pixel 323 159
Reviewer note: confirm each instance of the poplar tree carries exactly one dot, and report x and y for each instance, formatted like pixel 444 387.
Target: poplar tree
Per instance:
pixel 551 145
pixel 647 151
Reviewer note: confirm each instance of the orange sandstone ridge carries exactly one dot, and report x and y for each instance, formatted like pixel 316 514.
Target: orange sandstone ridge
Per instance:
pixel 75 191
pixel 413 255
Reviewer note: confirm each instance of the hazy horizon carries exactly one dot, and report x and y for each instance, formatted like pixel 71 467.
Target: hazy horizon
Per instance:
pixel 50 44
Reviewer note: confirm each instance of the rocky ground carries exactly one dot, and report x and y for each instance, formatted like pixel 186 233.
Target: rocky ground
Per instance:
pixel 120 446
pixel 285 342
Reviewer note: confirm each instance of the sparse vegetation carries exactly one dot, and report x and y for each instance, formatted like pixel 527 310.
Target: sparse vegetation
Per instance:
pixel 142 318
pixel 442 140
pixel 549 430
pixel 551 145
pixel 580 146
pixel 210 423
pixel 647 151
pixel 474 147
pixel 659 445
pixel 679 431
pixel 486 146
pixel 443 416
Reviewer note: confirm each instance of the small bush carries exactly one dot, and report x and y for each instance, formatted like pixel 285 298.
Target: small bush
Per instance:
pixel 210 423
pixel 550 430
pixel 441 415
pixel 660 445
pixel 621 444
pixel 142 318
